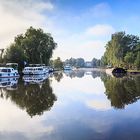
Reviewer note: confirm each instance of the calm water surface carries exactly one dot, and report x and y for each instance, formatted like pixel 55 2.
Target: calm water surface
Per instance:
pixel 70 106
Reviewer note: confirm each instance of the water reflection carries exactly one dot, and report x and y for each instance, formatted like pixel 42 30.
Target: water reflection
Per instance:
pixel 82 73
pixel 58 76
pixel 33 98
pixel 35 79
pixel 122 91
pixel 83 110
pixel 9 83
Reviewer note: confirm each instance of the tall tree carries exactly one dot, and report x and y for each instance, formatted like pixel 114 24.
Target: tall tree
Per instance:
pixel 120 49
pixel 57 63
pixel 80 62
pixel 35 45
pixel 137 61
pixel 129 59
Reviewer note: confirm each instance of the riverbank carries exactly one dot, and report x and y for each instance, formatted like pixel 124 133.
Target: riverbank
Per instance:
pixel 91 69
pixel 129 72
pixel 133 71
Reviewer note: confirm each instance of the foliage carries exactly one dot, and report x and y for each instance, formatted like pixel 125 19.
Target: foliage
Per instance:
pixel 122 50
pixel 57 63
pixel 79 62
pixel 34 46
pixel 96 62
pixel 71 61
pixel 137 61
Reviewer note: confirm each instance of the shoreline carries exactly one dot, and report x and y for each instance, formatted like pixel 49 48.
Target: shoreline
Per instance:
pixel 109 70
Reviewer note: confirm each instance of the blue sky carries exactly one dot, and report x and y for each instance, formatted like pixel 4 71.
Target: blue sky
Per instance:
pixel 80 27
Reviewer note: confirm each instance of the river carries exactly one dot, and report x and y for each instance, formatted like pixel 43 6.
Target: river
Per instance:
pixel 70 105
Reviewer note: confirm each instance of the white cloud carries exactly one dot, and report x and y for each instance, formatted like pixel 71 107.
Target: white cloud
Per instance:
pixel 98 104
pixel 100 30
pixel 16 16
pixel 80 45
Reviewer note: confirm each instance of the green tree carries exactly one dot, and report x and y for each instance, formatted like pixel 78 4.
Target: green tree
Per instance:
pixel 96 62
pixel 129 59
pixel 57 63
pixel 34 46
pixel 120 49
pixel 15 54
pixel 137 61
pixel 71 61
pixel 80 62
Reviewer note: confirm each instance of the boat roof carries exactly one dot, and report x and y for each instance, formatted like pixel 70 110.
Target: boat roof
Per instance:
pixel 33 67
pixel 12 64
pixel 6 68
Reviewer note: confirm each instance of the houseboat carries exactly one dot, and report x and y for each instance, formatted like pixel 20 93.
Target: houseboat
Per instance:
pixel 6 72
pixel 67 67
pixel 12 65
pixel 35 69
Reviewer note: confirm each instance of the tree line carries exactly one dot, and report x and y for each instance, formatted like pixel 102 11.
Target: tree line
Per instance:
pixel 80 62
pixel 35 46
pixel 123 50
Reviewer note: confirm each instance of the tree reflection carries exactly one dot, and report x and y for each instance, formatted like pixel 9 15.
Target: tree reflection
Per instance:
pixel 96 74
pixel 82 73
pixel 73 74
pixel 58 76
pixel 35 99
pixel 122 91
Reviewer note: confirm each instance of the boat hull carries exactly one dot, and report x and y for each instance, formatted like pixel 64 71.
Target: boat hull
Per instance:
pixel 8 75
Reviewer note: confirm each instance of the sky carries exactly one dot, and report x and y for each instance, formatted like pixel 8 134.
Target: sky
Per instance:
pixel 81 28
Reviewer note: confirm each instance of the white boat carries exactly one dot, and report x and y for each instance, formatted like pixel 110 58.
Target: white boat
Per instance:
pixel 35 70
pixel 6 72
pixel 67 67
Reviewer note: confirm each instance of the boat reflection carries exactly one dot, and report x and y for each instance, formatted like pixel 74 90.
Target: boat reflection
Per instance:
pixel 35 79
pixel 32 98
pixel 9 83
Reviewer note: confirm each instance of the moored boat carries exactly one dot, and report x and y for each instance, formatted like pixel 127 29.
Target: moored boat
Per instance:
pixel 6 72
pixel 35 69
pixel 67 67
pixel 12 65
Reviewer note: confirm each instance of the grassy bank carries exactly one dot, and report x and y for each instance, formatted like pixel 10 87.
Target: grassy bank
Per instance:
pixel 133 71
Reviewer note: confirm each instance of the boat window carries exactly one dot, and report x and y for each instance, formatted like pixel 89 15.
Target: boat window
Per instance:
pixel 9 70
pixel 40 69
pixel 4 70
